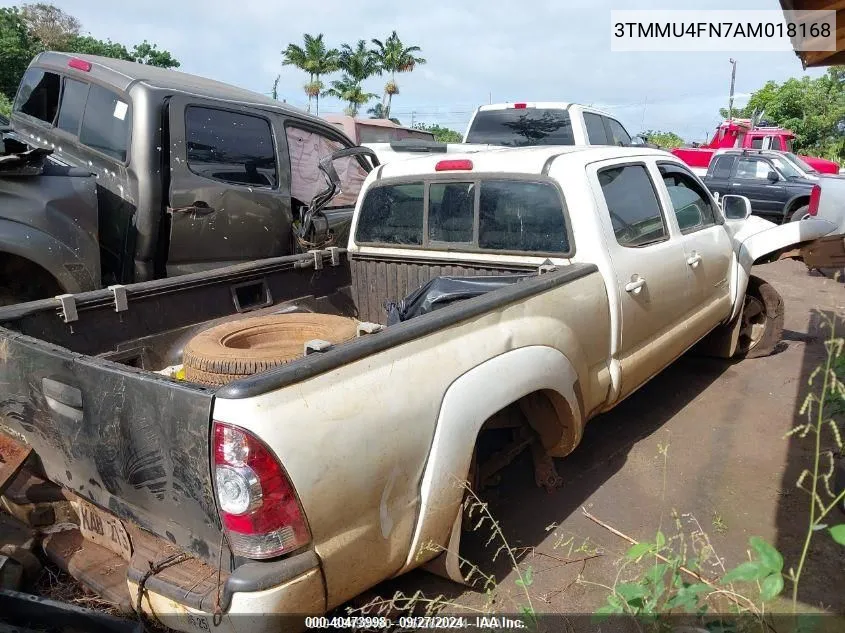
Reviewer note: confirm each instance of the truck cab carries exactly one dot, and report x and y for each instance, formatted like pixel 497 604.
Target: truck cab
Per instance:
pixel 544 123
pixel 191 174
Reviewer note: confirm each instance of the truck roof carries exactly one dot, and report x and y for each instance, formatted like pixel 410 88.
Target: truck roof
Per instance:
pixel 548 105
pixel 521 160
pixel 123 75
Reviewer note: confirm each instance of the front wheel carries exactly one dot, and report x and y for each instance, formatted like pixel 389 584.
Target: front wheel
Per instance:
pixel 800 213
pixel 761 320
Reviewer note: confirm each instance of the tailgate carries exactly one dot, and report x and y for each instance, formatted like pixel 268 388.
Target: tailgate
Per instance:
pixel 133 443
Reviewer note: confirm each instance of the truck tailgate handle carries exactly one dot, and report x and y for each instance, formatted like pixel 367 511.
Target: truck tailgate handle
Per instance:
pixel 63 399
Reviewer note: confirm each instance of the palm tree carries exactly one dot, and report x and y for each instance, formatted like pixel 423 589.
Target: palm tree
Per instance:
pixel 359 63
pixel 349 89
pixel 315 59
pixel 394 57
pixel 377 112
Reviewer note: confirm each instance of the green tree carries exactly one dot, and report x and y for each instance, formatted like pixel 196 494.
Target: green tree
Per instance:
pixel 359 63
pixel 49 24
pixel 394 57
pixel 87 45
pixel 5 106
pixel 17 48
pixel 315 59
pixel 349 89
pixel 812 108
pixel 664 140
pixel 441 134
pixel 377 112
pixel 149 54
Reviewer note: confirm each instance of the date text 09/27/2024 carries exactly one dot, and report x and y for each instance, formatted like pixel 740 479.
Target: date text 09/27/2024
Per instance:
pixel 414 622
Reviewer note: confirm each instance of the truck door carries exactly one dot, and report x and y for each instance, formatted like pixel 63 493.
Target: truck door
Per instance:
pixel 229 194
pixel 707 246
pixel 652 288
pixel 718 177
pixel 751 180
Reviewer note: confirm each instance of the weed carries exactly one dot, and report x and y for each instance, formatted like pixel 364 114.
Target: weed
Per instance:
pixel 719 525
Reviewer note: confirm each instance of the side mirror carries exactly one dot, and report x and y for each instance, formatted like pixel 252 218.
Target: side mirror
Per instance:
pixel 772 176
pixel 736 207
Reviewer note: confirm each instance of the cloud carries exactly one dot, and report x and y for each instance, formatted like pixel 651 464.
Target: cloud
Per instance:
pixel 531 50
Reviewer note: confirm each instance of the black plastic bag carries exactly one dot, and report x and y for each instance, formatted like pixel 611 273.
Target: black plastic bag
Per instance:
pixel 443 291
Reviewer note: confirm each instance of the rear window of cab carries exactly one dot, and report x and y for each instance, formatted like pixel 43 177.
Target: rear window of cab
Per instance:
pixel 98 117
pixel 500 215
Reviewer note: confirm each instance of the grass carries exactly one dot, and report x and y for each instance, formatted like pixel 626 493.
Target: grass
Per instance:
pixel 719 525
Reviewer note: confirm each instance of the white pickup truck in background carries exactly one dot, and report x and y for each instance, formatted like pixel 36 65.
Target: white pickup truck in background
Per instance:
pixel 520 125
pixel 545 123
pixel 575 275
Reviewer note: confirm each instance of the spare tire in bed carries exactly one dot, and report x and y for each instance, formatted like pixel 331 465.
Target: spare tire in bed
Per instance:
pixel 240 348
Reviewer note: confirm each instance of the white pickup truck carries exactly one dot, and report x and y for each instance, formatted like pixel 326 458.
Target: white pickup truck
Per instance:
pixel 571 276
pixel 520 125
pixel 545 123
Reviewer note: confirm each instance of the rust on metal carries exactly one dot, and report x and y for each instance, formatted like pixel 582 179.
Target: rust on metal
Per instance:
pixel 13 454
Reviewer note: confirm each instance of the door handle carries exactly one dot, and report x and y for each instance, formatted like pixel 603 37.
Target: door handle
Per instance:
pixel 199 208
pixel 694 260
pixel 635 286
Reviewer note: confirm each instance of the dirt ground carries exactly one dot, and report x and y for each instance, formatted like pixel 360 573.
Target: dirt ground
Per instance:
pixel 728 465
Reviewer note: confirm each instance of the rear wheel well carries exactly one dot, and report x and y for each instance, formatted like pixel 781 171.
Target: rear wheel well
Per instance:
pixel 798 202
pixel 542 416
pixel 23 280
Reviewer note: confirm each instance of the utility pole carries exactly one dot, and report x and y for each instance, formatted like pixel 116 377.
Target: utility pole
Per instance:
pixel 490 98
pixel 731 98
pixel 413 115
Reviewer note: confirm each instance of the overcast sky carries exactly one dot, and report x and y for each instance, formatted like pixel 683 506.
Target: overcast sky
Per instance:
pixel 528 50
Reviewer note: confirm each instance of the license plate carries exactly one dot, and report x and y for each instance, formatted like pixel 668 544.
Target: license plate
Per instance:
pixel 103 529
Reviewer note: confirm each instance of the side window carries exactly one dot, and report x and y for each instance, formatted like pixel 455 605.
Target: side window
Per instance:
pixel 633 206
pixel 757 142
pixel 392 214
pixel 307 148
pixel 451 211
pixel 74 95
pixel 618 135
pixel 723 167
pixel 229 146
pixel 521 216
pixel 38 95
pixel 106 123
pixel 689 200
pixel 596 133
pixel 752 169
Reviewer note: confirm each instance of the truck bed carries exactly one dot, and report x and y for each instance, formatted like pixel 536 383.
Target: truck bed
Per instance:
pixel 84 392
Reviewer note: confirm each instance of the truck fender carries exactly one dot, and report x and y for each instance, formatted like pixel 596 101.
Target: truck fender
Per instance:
pixel 48 253
pixel 769 240
pixel 468 403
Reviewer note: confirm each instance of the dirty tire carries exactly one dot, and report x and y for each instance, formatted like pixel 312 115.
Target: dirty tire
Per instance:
pixel 761 319
pixel 244 347
pixel 799 213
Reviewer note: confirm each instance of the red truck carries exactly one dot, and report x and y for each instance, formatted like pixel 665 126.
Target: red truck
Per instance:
pixel 740 133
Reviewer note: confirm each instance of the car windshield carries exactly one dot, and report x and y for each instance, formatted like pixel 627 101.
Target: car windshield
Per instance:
pixel 521 126
pixel 799 162
pixel 786 168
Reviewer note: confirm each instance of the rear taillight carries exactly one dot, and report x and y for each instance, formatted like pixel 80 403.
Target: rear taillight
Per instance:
pixel 815 194
pixel 257 502
pixel 520 106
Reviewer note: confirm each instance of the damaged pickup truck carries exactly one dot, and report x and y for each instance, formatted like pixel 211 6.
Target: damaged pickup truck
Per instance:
pixel 173 174
pixel 269 439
